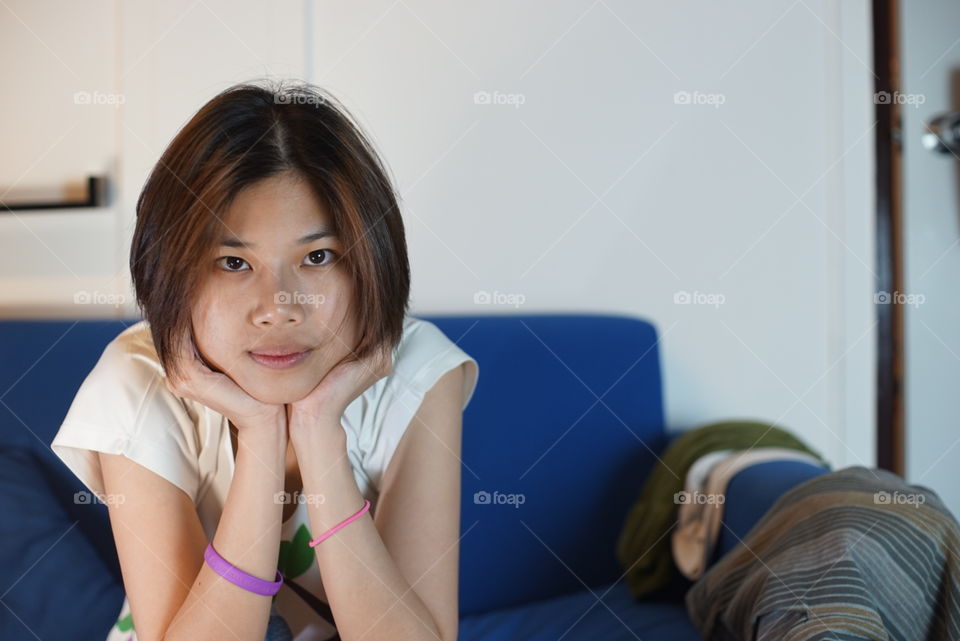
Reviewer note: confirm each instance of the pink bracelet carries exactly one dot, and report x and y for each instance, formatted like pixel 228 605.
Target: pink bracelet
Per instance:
pixel 331 531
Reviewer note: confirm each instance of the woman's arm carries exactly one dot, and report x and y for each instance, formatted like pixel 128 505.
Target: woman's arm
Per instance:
pixel 173 593
pixel 394 577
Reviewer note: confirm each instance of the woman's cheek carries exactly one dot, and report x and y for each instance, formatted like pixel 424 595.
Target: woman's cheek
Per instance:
pixel 211 332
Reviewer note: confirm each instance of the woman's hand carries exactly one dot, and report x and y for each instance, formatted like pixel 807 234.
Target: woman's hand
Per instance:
pixel 219 392
pixel 327 402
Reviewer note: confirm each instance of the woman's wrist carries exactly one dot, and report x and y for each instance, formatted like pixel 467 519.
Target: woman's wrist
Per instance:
pixel 317 429
pixel 276 421
pixel 264 432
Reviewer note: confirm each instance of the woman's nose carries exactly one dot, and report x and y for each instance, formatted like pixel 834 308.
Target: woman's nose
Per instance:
pixel 278 306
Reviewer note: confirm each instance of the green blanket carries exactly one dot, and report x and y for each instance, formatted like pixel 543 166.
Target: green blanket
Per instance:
pixel 643 547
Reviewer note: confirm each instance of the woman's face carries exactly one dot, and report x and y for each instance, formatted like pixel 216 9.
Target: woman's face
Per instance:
pixel 273 286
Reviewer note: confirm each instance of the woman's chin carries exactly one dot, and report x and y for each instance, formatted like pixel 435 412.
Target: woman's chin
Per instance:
pixel 280 395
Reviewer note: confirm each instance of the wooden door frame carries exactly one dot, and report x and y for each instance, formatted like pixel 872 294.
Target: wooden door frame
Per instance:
pixel 889 237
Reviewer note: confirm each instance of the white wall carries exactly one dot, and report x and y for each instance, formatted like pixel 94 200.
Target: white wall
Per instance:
pixel 600 192
pixel 931 210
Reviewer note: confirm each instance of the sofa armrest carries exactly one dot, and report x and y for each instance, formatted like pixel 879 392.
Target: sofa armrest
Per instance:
pixel 752 491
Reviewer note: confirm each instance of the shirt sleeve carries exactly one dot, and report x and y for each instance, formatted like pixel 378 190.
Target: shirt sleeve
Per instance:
pixel 124 407
pixel 422 357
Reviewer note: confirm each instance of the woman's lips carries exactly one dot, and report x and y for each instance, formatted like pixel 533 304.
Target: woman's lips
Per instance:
pixel 281 362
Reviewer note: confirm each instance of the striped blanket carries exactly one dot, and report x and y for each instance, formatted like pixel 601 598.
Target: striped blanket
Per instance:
pixel 852 554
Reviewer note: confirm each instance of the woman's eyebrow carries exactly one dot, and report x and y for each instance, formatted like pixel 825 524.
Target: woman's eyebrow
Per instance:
pixel 309 238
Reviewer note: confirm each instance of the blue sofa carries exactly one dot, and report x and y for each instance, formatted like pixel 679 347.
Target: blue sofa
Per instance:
pixel 565 425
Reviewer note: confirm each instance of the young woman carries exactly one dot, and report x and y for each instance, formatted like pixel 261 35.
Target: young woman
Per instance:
pixel 277 440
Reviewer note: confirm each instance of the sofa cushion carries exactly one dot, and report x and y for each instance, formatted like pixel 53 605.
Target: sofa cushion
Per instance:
pixel 612 615
pixel 53 583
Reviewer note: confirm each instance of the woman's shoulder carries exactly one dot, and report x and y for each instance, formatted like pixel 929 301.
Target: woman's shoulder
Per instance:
pixel 127 362
pixel 122 406
pixel 422 356
pixel 127 372
pixel 134 344
pixel 424 344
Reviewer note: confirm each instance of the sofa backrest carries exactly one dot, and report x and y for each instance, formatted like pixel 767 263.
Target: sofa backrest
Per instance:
pixel 563 428
pixel 42 364
pixel 557 440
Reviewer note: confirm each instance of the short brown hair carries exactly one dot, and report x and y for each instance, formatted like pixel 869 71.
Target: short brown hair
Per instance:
pixel 244 134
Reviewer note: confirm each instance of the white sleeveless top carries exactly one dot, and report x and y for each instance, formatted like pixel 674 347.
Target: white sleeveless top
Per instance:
pixel 124 407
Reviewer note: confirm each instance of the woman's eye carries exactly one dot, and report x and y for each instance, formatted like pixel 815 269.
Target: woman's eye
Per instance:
pixel 231 263
pixel 319 257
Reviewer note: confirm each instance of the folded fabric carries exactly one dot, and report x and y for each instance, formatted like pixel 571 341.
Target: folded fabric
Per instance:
pixel 851 554
pixel 643 547
pixel 701 512
pixel 700 470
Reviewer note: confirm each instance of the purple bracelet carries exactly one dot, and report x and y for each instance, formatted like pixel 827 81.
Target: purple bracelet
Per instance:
pixel 238 577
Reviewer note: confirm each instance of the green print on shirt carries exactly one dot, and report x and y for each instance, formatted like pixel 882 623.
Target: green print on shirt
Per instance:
pixel 126 623
pixel 296 555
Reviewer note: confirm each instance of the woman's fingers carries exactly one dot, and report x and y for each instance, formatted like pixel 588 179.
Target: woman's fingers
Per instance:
pixel 217 390
pixel 198 382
